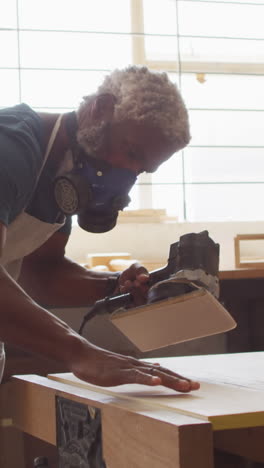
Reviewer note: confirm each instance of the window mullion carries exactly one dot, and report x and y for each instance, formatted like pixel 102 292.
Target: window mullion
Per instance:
pixel 145 191
pixel 139 58
pixel 137 30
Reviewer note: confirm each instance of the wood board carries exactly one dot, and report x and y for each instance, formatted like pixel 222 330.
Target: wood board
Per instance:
pixel 231 394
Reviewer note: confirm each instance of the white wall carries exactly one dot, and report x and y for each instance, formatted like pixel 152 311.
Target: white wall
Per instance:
pixel 151 241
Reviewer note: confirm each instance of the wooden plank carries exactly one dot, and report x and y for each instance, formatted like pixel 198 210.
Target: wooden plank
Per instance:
pixel 231 394
pixel 241 273
pixel 224 406
pixel 239 262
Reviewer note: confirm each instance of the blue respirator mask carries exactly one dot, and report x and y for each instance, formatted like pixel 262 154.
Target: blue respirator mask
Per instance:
pixel 94 190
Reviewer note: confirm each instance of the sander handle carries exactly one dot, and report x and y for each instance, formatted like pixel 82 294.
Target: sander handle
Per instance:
pixel 111 303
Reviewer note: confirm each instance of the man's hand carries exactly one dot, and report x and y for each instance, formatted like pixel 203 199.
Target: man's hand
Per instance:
pixel 135 280
pixel 104 368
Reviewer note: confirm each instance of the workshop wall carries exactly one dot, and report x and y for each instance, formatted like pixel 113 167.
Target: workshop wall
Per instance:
pixel 151 241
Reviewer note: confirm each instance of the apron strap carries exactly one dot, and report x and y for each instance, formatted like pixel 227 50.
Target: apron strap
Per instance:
pixel 49 147
pixel 52 139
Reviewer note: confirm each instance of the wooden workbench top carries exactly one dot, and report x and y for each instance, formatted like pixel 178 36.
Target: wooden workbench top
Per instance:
pixel 154 426
pixel 241 273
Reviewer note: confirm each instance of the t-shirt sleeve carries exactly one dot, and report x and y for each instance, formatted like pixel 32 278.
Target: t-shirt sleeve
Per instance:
pixel 18 169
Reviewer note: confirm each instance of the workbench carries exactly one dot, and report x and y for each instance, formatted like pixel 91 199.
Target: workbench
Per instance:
pixel 154 427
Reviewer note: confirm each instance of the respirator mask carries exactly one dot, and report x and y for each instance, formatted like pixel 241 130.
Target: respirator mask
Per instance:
pixel 93 190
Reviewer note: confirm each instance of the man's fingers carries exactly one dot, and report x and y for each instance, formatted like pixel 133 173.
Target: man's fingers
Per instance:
pixel 142 278
pixel 171 380
pixel 138 376
pixel 157 366
pixel 154 376
pixel 173 374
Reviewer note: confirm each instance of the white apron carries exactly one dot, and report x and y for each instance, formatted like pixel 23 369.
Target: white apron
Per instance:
pixel 24 235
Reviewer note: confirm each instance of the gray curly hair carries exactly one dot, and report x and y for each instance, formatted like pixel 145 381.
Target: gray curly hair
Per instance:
pixel 143 96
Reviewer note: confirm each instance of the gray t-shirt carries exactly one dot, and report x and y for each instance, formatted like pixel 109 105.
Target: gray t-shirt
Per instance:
pixel 21 155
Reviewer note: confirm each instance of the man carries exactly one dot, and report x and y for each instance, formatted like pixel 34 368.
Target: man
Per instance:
pixel 85 162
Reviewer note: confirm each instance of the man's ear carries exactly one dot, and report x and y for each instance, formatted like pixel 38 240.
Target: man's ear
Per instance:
pixel 103 107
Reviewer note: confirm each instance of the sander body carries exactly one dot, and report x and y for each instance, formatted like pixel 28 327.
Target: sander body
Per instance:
pixel 191 272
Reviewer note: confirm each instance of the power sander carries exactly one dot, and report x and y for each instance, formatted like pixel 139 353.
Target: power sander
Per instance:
pixel 193 262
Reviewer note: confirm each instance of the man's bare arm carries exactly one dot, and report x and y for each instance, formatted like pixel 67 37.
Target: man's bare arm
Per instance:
pixel 29 326
pixel 25 324
pixel 53 279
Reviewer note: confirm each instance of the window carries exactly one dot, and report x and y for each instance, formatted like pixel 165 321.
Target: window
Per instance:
pixel 56 51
